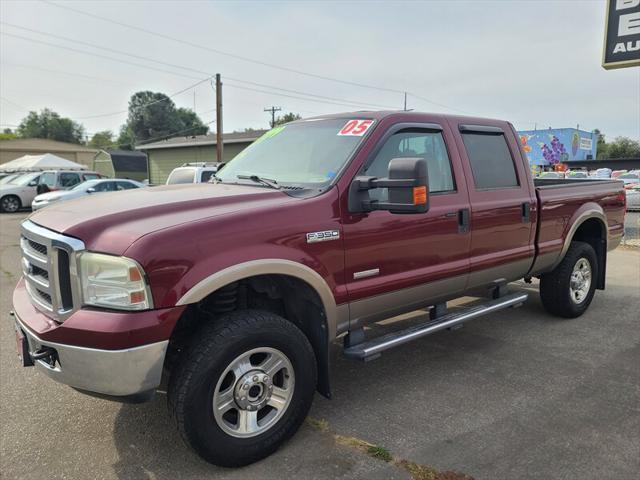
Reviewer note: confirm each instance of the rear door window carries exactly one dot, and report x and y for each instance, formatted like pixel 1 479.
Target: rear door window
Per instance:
pixel 69 179
pixel 90 176
pixel 125 186
pixel 490 159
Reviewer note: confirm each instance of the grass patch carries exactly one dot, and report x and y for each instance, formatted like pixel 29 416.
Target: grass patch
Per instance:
pixel 318 424
pixel 417 471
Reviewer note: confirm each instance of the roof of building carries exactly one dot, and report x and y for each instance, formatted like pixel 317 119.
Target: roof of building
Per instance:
pixel 43 145
pixel 203 140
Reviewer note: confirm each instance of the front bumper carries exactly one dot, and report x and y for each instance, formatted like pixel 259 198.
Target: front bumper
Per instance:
pixel 116 373
pixel 114 354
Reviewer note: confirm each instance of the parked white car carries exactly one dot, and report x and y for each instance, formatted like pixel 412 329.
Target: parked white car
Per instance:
pixel 83 189
pixel 193 173
pixel 19 192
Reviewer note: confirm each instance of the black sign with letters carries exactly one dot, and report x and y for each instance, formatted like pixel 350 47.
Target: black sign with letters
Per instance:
pixel 622 34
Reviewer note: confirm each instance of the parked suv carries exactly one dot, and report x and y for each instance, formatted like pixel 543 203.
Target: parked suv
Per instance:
pixel 198 172
pixel 63 180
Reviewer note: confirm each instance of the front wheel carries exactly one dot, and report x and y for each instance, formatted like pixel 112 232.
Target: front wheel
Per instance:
pixel 243 387
pixel 10 204
pixel 567 291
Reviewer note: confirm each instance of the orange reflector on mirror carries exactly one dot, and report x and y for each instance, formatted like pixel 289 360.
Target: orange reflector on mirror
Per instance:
pixel 419 195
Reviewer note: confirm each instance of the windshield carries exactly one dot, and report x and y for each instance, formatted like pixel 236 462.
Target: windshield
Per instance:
pixel 308 153
pixel 629 175
pixel 85 185
pixel 9 178
pixel 23 180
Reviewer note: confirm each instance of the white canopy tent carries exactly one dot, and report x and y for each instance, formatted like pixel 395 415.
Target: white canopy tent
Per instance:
pixel 36 163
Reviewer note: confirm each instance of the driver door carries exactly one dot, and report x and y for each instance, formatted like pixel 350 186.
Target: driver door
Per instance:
pixel 394 262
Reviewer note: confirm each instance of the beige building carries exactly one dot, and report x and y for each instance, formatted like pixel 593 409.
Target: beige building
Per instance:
pixel 168 154
pixel 12 149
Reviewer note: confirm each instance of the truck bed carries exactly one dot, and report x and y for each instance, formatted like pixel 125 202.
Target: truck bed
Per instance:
pixel 562 202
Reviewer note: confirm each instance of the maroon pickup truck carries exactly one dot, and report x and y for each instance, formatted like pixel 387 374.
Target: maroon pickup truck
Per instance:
pixel 229 293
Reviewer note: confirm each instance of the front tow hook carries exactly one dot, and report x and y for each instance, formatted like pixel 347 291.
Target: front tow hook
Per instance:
pixel 47 355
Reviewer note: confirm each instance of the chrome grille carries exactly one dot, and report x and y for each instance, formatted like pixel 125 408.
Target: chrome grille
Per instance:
pixel 44 253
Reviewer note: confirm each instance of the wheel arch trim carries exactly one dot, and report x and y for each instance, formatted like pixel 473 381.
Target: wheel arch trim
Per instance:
pixel 268 266
pixel 591 213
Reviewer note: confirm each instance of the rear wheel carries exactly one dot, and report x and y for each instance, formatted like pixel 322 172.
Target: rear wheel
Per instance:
pixel 243 388
pixel 567 291
pixel 10 204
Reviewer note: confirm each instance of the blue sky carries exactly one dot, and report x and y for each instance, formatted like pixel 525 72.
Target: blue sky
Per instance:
pixel 532 62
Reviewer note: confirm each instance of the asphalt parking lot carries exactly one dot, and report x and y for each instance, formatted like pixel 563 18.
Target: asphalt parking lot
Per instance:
pixel 515 395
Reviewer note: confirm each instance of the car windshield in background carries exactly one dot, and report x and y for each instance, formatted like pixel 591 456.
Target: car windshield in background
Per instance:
pixel 181 175
pixel 308 153
pixel 24 180
pixel 632 176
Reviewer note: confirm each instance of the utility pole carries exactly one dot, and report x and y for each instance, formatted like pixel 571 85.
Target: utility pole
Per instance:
pixel 405 101
pixel 273 111
pixel 219 144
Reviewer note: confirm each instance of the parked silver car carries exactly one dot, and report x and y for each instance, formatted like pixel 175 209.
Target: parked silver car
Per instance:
pixel 89 187
pixel 18 192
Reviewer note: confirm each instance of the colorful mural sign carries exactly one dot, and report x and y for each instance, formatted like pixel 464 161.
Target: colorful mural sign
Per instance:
pixel 559 145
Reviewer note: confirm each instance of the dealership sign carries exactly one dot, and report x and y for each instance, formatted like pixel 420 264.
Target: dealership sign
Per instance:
pixel 622 34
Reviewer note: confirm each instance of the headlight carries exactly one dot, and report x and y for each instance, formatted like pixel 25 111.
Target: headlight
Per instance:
pixel 113 282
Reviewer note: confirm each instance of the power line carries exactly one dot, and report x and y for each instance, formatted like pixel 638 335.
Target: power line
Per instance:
pixel 220 52
pixel 147 104
pixel 107 49
pixel 356 103
pixel 168 135
pixel 93 54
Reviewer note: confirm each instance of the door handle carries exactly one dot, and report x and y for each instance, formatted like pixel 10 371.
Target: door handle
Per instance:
pixel 450 215
pixel 463 220
pixel 526 212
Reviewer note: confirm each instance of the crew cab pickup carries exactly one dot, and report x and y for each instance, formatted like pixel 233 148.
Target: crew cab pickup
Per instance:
pixel 229 293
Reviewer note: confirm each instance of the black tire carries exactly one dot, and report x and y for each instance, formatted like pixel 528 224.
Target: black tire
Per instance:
pixel 555 286
pixel 10 204
pixel 195 379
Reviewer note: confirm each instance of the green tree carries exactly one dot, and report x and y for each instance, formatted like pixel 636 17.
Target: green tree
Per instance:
pixel 286 118
pixel 102 140
pixel 7 134
pixel 623 147
pixel 191 123
pixel 153 116
pixel 48 124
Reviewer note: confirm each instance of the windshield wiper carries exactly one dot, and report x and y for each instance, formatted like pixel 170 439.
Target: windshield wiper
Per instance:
pixel 264 181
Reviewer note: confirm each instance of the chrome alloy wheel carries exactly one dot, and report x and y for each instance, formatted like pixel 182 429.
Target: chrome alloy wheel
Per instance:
pixel 580 281
pixel 253 392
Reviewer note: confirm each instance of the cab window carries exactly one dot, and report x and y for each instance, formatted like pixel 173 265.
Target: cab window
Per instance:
pixel 414 143
pixel 48 179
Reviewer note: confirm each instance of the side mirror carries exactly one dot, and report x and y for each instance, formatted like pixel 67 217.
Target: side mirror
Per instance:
pixel 91 190
pixel 33 184
pixel 408 185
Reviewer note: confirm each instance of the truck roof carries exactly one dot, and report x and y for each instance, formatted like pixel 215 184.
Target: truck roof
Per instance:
pixel 410 115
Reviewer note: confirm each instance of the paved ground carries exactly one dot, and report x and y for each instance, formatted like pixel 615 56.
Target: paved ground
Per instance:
pixel 516 395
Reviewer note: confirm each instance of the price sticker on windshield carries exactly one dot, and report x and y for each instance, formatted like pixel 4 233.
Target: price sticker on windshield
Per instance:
pixel 355 128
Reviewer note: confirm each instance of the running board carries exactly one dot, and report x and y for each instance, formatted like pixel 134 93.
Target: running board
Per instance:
pixel 372 349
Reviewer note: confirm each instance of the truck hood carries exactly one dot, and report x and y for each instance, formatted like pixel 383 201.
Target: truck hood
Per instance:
pixel 111 222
